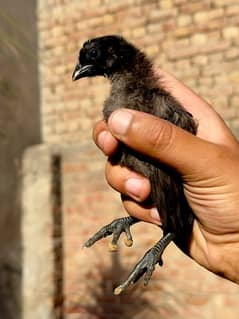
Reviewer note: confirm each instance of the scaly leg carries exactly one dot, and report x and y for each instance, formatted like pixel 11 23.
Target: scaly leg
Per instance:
pixel 147 263
pixel 116 227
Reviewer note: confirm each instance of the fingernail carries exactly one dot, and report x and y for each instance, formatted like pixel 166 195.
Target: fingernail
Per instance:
pixel 120 121
pixel 154 214
pixel 133 186
pixel 101 139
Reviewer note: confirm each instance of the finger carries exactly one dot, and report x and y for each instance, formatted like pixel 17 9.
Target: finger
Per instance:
pixel 104 139
pixel 141 212
pixel 161 140
pixel 127 182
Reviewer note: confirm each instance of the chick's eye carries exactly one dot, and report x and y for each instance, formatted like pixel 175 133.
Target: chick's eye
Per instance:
pixel 93 53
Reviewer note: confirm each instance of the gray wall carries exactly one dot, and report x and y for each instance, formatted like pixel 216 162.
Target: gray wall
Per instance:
pixel 19 128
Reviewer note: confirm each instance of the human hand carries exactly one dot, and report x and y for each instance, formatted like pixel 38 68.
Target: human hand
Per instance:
pixel 208 164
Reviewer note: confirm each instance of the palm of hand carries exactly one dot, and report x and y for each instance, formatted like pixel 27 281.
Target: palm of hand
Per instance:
pixel 212 193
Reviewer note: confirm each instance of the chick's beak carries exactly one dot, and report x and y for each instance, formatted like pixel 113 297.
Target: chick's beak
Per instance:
pixel 81 71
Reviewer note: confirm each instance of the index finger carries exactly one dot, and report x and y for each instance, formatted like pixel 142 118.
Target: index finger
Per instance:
pixel 104 139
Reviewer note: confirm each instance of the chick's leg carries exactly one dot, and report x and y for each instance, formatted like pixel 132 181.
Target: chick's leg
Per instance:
pixel 116 227
pixel 147 264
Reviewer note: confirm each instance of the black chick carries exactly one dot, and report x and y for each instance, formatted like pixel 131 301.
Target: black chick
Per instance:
pixel 135 86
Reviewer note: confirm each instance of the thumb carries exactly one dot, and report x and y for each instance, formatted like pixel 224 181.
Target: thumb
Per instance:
pixel 161 140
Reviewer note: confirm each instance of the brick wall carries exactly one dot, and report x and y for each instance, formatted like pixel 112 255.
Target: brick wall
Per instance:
pixel 198 41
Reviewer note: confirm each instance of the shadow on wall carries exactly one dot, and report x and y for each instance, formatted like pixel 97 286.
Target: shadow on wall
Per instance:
pixel 132 303
pixel 129 304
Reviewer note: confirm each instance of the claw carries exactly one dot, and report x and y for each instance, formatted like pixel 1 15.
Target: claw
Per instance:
pixel 89 242
pixel 116 227
pixel 118 290
pixel 147 264
pixel 128 242
pixel 113 247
